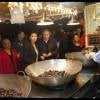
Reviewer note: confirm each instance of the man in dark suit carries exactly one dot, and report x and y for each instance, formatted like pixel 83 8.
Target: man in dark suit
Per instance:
pixel 47 46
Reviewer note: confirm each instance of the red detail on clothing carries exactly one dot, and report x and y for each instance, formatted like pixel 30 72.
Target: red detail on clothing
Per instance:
pixel 6 66
pixel 82 40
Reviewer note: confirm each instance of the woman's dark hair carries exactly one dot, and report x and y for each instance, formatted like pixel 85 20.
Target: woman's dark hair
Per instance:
pixel 4 39
pixel 30 34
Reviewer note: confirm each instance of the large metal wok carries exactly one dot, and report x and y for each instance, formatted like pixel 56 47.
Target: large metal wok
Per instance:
pixel 72 68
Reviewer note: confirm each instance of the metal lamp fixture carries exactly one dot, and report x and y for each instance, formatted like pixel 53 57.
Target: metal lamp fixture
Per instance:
pixel 44 21
pixel 73 21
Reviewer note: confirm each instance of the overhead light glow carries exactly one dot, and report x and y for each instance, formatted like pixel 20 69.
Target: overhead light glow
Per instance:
pixel 73 23
pixel 45 21
pixel 42 23
pixel 0 20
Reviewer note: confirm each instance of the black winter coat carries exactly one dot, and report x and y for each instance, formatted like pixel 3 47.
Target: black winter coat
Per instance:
pixel 50 46
pixel 29 54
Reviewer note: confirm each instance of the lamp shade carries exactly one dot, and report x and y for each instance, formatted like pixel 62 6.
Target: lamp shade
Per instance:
pixel 73 22
pixel 44 22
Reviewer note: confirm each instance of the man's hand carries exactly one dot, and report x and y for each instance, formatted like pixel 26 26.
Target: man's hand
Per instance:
pixel 42 57
pixel 44 54
pixel 49 54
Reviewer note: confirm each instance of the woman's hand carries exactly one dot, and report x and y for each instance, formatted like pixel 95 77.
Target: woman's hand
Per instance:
pixel 18 55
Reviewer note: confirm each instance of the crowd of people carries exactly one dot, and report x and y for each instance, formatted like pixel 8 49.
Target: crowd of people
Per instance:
pixel 27 49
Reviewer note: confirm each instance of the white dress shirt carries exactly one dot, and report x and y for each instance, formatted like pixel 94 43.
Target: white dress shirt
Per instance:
pixel 96 57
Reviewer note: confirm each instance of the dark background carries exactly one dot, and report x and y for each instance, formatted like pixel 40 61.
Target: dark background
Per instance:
pixel 11 30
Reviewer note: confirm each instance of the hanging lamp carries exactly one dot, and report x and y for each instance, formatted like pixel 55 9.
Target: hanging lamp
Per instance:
pixel 73 21
pixel 44 21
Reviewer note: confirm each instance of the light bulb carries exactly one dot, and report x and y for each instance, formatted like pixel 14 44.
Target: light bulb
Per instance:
pixel 0 20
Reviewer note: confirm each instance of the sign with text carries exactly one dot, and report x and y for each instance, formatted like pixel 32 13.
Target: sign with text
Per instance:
pixel 93 39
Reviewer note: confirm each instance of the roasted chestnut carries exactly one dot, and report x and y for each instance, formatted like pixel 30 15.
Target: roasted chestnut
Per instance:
pixel 53 73
pixel 9 93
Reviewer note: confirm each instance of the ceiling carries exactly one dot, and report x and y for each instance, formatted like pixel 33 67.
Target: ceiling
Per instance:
pixel 5 13
pixel 79 5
